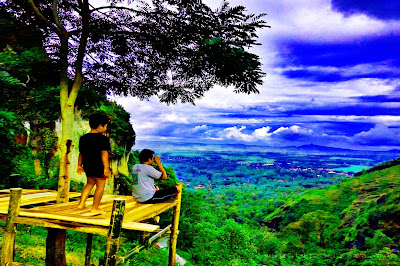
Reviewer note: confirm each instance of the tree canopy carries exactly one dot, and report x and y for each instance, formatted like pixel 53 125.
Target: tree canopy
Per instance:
pixel 176 50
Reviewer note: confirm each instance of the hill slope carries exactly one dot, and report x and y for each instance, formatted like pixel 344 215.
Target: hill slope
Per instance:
pixel 361 214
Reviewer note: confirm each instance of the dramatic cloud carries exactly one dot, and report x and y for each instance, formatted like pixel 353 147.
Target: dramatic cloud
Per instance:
pixel 380 135
pixel 381 50
pixel 382 9
pixel 332 79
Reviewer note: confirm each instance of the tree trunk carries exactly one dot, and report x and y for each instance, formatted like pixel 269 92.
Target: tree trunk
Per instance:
pixel 34 144
pixel 67 123
pixel 55 249
pixel 55 243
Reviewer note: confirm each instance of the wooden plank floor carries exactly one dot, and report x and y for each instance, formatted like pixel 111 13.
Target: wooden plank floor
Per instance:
pixel 68 216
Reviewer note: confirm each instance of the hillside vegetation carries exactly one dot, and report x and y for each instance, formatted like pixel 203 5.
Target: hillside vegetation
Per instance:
pixel 355 222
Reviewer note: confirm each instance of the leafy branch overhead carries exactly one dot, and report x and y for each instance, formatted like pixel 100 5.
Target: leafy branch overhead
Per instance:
pixel 176 50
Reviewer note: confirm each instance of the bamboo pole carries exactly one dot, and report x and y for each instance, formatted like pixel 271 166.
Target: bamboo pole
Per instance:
pixel 88 254
pixel 144 245
pixel 112 245
pixel 10 228
pixel 174 229
pixel 134 251
pixel 159 235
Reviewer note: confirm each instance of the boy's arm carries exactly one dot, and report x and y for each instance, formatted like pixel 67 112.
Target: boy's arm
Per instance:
pixel 79 169
pixel 157 159
pixel 106 163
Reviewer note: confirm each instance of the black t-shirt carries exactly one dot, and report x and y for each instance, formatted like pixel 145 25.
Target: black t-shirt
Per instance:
pixel 90 146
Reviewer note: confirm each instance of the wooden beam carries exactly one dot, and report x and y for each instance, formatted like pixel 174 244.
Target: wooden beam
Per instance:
pixel 83 228
pixel 14 263
pixel 174 229
pixel 114 231
pixel 89 221
pixel 10 230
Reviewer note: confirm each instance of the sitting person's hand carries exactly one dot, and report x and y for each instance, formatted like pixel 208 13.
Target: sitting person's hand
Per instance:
pixel 157 159
pixel 80 170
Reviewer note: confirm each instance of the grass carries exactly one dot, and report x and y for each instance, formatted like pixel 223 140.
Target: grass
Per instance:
pixel 30 245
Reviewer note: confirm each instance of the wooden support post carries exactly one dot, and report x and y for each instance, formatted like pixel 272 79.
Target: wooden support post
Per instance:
pixel 10 228
pixel 55 247
pixel 144 238
pixel 174 229
pixel 88 254
pixel 112 246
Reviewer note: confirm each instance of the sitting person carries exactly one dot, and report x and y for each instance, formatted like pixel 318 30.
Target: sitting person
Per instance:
pixel 143 174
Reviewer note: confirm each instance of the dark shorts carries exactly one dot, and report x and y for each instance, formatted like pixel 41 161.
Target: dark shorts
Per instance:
pixel 97 178
pixel 163 195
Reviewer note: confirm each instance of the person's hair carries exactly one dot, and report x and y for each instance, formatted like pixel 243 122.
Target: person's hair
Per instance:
pixel 98 118
pixel 145 155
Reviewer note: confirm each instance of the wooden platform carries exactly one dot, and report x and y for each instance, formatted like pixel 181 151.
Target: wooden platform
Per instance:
pixel 38 207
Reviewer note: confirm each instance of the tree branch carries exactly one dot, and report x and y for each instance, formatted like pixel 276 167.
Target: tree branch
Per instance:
pixel 85 12
pixel 116 7
pixel 42 18
pixel 55 15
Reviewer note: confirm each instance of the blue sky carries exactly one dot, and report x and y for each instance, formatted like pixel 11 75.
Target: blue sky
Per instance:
pixel 333 79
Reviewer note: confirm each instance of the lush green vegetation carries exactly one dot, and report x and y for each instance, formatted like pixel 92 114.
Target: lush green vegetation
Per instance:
pixel 354 222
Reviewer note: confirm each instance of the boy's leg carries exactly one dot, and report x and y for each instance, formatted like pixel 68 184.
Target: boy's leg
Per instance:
pixel 85 192
pixel 98 194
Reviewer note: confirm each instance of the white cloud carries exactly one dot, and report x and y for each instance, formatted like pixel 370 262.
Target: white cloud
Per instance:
pixel 377 136
pixel 199 128
pixel 292 129
pixel 263 133
pixel 174 118
pixel 146 125
pixel 387 120
pixel 314 21
pixel 347 71
pixel 236 134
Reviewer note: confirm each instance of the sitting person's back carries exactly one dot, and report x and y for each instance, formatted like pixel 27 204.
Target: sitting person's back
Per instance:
pixel 144 174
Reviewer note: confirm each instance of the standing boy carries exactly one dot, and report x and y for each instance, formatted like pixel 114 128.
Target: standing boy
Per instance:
pixel 144 174
pixel 93 159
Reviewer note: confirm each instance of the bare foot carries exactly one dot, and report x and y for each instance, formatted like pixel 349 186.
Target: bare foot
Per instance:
pixel 97 211
pixel 81 207
pixel 94 212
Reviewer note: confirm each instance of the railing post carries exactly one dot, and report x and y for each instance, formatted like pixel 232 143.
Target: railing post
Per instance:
pixel 10 228
pixel 112 246
pixel 174 229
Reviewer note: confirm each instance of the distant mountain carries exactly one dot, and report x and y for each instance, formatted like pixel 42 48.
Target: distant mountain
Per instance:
pixel 313 147
pixel 394 151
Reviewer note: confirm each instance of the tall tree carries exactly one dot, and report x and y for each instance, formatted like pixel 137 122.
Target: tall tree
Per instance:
pixel 173 49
